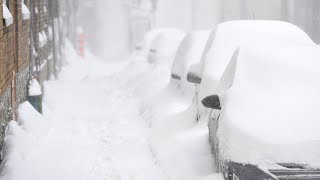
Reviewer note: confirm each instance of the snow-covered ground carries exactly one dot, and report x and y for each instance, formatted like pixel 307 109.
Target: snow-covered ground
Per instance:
pixel 95 127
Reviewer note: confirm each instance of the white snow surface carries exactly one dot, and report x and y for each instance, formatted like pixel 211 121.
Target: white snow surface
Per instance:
pixel 7 16
pixel 254 33
pixel 180 143
pixel 42 38
pixel 50 33
pixel 25 11
pixel 93 127
pixel 34 88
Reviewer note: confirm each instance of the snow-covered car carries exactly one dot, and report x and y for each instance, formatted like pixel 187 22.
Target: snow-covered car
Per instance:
pixel 189 52
pixel 177 95
pixel 262 91
pixel 234 34
pixel 223 42
pixel 163 45
pixel 194 72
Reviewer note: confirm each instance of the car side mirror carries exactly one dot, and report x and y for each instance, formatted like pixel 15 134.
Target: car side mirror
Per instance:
pixel 176 77
pixel 138 47
pixel 193 76
pixel 212 102
pixel 153 50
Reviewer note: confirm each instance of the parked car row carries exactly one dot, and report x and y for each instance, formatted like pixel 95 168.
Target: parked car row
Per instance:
pixel 259 84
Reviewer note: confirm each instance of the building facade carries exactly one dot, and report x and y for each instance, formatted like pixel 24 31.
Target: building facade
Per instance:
pixel 140 18
pixel 29 39
pixel 203 14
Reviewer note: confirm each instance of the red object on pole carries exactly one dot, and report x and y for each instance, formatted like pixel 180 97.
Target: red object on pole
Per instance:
pixel 81 45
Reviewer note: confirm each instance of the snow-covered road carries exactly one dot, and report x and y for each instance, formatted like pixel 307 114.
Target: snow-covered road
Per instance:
pixel 92 129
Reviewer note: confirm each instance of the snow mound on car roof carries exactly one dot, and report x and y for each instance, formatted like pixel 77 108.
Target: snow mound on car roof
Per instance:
pixel 271 112
pixel 231 35
pixel 276 91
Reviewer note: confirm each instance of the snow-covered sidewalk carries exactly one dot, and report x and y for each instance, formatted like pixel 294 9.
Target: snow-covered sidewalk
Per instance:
pixel 92 128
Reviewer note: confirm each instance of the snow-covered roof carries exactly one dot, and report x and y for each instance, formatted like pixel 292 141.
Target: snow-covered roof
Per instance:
pixel 272 109
pixel 276 90
pixel 231 35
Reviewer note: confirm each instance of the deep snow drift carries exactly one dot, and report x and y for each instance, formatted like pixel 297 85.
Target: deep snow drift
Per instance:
pixel 93 128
